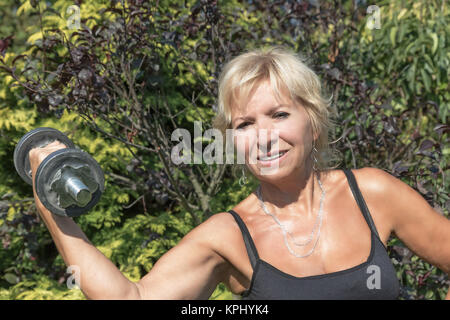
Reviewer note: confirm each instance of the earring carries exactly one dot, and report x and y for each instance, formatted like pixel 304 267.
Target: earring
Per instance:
pixel 243 178
pixel 313 156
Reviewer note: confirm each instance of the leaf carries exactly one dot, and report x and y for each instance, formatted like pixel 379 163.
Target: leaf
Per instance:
pixel 429 295
pixel 399 168
pixel 11 278
pixel 402 13
pixel 37 36
pixel 392 35
pixel 411 74
pixel 401 32
pixel 442 128
pixel 408 48
pixel 391 63
pixel 434 37
pixel 426 144
pixel 26 7
pixel 428 68
pixel 426 79
pixel 429 60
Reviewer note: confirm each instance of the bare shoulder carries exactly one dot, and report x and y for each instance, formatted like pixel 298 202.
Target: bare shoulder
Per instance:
pixel 385 186
pixel 376 179
pixel 394 199
pixel 215 232
pixel 222 223
pixel 379 184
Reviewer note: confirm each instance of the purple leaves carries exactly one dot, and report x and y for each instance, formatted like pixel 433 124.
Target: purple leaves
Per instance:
pixel 4 44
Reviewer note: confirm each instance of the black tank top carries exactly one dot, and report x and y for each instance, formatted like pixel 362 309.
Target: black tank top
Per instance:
pixel 373 279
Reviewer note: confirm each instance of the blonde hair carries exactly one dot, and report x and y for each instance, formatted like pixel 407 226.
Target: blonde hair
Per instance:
pixel 288 72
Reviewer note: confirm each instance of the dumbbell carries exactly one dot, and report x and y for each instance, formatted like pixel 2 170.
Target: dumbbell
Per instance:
pixel 68 182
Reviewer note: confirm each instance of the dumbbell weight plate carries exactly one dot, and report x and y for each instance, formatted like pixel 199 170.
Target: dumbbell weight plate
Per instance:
pixel 49 172
pixel 39 137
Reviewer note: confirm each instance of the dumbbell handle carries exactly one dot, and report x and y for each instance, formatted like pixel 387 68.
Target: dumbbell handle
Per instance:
pixel 77 189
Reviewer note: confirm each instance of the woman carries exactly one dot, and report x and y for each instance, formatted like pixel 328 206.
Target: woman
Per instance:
pixel 307 232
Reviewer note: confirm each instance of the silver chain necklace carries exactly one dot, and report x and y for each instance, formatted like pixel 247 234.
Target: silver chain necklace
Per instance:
pixel 284 230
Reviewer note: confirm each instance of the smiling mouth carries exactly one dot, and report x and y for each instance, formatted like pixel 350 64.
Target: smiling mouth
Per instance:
pixel 270 157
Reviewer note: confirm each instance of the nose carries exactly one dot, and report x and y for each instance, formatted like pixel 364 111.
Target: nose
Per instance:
pixel 267 138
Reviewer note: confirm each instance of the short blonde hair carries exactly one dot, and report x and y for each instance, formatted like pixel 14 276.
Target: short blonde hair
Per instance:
pixel 287 72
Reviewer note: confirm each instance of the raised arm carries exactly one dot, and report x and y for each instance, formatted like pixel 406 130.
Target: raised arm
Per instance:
pixel 414 221
pixel 190 270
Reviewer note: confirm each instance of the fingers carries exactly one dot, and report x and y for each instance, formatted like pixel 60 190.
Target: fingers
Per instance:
pixel 49 148
pixel 55 144
pixel 37 155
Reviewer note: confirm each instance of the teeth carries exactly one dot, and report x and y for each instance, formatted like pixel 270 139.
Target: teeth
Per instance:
pixel 272 157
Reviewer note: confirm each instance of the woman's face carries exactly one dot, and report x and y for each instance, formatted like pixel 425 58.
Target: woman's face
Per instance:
pixel 275 137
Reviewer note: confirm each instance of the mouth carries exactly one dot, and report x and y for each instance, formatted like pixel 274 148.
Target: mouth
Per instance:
pixel 272 157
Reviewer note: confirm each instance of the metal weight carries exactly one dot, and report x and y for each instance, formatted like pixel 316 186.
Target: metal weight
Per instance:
pixel 69 182
pixel 36 138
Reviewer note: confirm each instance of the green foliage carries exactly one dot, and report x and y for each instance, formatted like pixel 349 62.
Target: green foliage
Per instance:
pixel 414 57
pixel 40 287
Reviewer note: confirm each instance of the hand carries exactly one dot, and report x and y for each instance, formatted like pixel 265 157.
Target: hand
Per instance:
pixel 37 155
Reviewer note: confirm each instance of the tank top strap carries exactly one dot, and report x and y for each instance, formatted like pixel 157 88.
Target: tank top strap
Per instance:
pixel 249 244
pixel 360 200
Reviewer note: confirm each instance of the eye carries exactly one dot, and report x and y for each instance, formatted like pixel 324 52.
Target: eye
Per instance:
pixel 242 125
pixel 281 115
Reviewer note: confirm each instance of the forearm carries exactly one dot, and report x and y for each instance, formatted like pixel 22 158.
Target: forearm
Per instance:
pixel 99 278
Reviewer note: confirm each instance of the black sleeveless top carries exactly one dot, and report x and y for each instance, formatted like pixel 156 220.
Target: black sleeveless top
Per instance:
pixel 373 279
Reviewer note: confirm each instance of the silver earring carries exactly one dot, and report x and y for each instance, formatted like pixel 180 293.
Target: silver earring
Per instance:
pixel 313 154
pixel 243 178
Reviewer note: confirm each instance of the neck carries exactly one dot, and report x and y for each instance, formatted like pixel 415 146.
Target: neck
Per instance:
pixel 299 194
